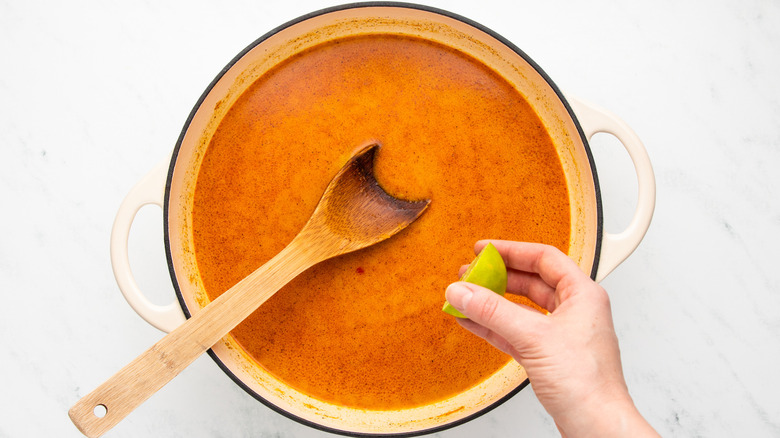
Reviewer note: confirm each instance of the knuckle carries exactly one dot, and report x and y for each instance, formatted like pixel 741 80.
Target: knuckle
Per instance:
pixel 487 308
pixel 548 254
pixel 602 297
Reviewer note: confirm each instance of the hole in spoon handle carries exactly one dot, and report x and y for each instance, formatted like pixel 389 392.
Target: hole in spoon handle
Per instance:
pixel 100 410
pixel 91 418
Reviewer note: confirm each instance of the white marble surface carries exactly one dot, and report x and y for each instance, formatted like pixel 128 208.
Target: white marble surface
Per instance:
pixel 93 95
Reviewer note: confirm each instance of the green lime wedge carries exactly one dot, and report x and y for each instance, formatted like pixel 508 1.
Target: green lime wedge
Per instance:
pixel 487 270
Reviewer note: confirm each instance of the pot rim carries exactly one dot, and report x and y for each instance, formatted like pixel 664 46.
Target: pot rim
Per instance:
pixel 369 4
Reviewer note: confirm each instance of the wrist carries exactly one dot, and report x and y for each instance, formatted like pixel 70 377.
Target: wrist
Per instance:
pixel 617 417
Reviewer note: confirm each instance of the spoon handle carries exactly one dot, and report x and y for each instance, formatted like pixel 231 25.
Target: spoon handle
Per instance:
pixel 109 403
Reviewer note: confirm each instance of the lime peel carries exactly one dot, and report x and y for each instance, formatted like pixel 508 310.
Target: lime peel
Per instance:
pixel 487 270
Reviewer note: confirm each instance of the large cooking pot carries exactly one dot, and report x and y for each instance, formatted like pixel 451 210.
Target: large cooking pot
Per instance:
pixel 569 121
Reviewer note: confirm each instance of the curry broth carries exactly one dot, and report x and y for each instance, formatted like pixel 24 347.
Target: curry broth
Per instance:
pixel 366 329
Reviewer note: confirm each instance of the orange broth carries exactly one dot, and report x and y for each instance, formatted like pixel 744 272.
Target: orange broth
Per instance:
pixel 366 329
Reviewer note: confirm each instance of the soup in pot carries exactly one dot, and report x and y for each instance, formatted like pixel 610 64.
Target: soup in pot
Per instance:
pixel 366 329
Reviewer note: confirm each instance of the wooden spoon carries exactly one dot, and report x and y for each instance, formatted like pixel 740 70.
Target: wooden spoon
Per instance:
pixel 353 213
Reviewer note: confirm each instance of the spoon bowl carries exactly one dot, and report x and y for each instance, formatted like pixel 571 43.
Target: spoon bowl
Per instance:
pixel 353 213
pixel 355 208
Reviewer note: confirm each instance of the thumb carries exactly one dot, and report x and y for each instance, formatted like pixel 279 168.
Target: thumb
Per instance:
pixel 508 320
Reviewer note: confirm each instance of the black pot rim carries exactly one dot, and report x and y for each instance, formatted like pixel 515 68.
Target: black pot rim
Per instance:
pixel 370 4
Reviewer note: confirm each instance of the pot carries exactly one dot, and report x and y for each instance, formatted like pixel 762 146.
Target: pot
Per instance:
pixel 570 123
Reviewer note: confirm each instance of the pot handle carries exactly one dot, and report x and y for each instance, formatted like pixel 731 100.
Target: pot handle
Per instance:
pixel 149 190
pixel 617 247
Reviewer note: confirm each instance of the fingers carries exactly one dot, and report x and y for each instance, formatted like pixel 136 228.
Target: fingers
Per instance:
pixel 551 264
pixel 531 286
pixel 519 282
pixel 526 284
pixel 505 324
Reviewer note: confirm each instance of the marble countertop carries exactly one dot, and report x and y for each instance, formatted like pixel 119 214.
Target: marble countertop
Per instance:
pixel 94 94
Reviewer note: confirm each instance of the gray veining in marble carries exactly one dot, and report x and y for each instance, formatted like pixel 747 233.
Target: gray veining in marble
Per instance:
pixel 93 94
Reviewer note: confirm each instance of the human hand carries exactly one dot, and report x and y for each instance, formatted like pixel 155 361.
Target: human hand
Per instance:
pixel 571 355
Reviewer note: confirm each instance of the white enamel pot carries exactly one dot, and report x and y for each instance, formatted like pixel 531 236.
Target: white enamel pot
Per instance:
pixel 570 122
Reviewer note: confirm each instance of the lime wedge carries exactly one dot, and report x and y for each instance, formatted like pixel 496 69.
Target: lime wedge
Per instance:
pixel 487 270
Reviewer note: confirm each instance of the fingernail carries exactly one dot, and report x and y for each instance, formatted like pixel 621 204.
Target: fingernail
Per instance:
pixel 458 295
